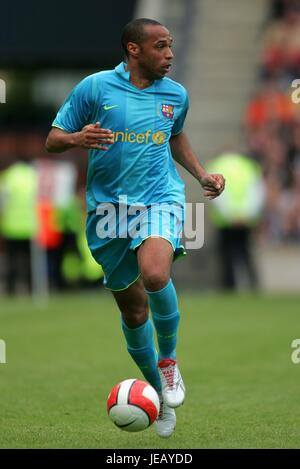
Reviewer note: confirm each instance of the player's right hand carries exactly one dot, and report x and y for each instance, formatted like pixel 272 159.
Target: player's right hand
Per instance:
pixel 93 136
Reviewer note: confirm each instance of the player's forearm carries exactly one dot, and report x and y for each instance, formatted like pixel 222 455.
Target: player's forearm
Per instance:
pixel 58 141
pixel 182 153
pixel 91 136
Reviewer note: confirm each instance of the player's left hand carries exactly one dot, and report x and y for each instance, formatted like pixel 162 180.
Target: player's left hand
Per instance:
pixel 213 185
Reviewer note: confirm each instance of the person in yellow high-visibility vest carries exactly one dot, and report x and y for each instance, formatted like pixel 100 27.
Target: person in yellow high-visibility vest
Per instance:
pixel 235 213
pixel 18 221
pixel 78 265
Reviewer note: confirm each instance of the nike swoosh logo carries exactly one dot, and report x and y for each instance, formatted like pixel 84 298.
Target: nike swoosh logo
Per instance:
pixel 126 424
pixel 106 108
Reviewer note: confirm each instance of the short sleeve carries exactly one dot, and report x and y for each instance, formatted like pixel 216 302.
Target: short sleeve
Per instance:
pixel 179 122
pixel 75 112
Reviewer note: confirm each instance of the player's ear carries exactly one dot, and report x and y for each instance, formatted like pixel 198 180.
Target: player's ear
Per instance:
pixel 133 48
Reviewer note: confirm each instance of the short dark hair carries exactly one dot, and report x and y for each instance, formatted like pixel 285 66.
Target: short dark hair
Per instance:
pixel 134 31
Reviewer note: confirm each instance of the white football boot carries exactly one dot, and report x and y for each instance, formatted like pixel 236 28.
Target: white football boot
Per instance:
pixel 166 420
pixel 173 389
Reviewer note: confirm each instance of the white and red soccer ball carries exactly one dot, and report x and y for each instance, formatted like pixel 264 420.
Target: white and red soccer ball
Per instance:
pixel 133 405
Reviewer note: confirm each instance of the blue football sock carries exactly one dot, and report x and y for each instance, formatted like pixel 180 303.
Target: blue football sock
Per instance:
pixel 165 314
pixel 141 346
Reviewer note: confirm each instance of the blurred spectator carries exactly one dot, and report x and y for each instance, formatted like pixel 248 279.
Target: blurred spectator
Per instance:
pixel 57 222
pixel 273 123
pixel 289 207
pixel 79 268
pixel 290 203
pixel 49 238
pixel 281 43
pixel 39 203
pixel 275 161
pixel 235 214
pixel 294 147
pixel 18 187
pixel 269 106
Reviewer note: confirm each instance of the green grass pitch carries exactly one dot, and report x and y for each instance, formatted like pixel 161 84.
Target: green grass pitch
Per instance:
pixel 235 355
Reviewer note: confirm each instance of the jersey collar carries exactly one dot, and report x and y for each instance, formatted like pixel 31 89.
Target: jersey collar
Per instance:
pixel 120 70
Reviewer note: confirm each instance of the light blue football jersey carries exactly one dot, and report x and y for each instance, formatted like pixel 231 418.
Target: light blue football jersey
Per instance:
pixel 139 163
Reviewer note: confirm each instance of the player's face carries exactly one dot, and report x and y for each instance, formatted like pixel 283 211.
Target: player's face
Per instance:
pixel 155 54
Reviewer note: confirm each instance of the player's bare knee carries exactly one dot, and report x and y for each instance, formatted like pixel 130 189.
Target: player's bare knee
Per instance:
pixel 135 317
pixel 155 279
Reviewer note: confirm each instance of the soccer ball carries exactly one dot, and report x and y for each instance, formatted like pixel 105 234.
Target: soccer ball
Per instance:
pixel 133 405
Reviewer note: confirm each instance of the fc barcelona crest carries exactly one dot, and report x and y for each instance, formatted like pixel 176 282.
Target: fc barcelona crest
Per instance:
pixel 167 110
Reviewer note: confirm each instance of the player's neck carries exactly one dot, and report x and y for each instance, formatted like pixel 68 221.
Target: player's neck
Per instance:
pixel 137 77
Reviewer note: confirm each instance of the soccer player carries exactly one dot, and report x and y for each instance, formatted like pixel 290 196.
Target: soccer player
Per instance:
pixel 131 121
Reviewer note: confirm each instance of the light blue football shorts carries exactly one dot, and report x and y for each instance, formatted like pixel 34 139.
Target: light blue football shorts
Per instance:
pixel 114 232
